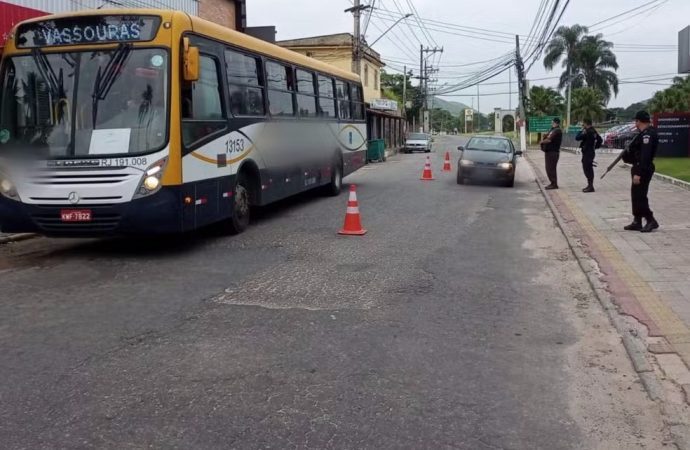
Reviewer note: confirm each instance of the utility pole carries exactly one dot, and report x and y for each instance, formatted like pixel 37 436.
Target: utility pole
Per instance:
pixel 423 84
pixel 404 99
pixel 357 38
pixel 522 85
pixel 510 90
pixel 479 113
pixel 570 91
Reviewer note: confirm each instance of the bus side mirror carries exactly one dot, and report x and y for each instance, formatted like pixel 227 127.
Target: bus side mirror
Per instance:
pixel 190 61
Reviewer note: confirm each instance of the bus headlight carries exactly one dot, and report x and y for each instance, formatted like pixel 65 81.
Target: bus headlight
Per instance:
pixel 151 181
pixel 7 188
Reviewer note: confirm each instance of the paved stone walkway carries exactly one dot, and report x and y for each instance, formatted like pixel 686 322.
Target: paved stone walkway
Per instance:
pixel 647 274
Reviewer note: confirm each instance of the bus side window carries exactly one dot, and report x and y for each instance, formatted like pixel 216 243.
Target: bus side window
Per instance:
pixel 343 92
pixel 245 84
pixel 357 102
pixel 202 107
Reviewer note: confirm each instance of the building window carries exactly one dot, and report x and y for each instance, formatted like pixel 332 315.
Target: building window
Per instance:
pixel 281 85
pixel 245 84
pixel 202 107
pixel 366 75
pixel 326 97
pixel 376 79
pixel 310 54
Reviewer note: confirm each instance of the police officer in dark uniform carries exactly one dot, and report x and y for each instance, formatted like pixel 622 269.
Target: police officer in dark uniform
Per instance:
pixel 641 155
pixel 589 138
pixel 551 146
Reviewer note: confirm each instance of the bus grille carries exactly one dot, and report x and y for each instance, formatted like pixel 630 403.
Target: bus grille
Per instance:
pixel 75 179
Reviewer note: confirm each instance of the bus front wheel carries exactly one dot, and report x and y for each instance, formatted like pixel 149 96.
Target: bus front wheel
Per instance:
pixel 241 206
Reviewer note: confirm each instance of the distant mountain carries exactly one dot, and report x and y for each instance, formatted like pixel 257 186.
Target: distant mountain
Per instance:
pixel 455 108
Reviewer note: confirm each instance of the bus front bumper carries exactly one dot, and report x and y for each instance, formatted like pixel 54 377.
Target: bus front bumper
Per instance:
pixel 156 214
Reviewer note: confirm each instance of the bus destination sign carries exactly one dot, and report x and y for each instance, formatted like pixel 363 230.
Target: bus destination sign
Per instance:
pixel 87 30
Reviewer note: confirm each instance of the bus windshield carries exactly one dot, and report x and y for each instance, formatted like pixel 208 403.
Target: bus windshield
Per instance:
pixel 84 104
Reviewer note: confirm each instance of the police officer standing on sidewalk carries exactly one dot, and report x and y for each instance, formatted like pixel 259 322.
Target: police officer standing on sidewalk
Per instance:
pixel 641 155
pixel 589 141
pixel 551 146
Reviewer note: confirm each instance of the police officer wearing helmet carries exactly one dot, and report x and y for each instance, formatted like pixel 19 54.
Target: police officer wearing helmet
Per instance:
pixel 641 156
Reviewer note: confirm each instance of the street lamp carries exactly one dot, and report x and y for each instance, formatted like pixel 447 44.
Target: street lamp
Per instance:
pixel 390 28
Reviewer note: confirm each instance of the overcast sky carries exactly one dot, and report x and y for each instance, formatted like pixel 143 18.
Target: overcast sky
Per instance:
pixel 659 25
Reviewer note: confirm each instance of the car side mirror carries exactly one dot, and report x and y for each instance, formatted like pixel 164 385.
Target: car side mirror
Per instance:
pixel 518 153
pixel 461 148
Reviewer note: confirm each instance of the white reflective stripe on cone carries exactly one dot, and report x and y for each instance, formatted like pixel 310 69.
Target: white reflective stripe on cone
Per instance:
pixel 353 196
pixel 352 210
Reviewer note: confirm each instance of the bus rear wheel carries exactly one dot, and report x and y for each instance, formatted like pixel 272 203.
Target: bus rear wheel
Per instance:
pixel 241 206
pixel 333 188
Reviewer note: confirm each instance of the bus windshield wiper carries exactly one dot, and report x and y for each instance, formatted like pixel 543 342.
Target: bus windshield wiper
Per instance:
pixel 55 83
pixel 106 78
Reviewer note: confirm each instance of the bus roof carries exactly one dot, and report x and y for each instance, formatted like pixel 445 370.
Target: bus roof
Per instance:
pixel 216 31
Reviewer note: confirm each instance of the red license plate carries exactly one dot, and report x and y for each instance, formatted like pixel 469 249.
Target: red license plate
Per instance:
pixel 75 215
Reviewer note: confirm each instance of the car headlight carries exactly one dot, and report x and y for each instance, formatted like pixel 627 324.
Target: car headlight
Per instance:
pixel 151 180
pixel 465 162
pixel 505 165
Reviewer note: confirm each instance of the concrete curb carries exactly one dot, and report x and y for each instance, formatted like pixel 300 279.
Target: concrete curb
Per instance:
pixel 634 346
pixel 658 176
pixel 16 237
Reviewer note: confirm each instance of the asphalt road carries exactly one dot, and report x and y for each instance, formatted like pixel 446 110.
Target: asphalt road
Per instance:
pixel 459 321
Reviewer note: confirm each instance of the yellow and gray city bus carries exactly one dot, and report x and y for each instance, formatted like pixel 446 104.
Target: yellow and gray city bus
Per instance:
pixel 153 121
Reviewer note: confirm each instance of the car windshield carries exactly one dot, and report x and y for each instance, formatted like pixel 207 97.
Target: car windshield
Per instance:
pixel 77 104
pixel 417 137
pixel 489 145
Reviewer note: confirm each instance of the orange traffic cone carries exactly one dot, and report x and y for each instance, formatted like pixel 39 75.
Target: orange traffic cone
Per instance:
pixel 353 224
pixel 446 163
pixel 427 175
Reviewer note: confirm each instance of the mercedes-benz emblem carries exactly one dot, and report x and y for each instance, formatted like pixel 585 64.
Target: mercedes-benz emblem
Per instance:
pixel 73 198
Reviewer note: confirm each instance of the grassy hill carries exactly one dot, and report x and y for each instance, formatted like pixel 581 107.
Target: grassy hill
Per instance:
pixel 455 108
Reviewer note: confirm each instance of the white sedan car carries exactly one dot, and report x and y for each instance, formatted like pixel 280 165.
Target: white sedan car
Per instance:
pixel 418 142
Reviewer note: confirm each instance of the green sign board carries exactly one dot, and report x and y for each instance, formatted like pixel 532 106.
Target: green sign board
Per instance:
pixel 574 129
pixel 540 124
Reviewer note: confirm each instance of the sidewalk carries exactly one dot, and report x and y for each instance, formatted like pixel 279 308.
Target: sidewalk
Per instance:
pixel 647 275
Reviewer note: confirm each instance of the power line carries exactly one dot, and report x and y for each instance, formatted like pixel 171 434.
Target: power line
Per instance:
pixel 637 8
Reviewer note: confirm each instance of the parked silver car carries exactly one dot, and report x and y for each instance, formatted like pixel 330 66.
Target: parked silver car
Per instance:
pixel 417 142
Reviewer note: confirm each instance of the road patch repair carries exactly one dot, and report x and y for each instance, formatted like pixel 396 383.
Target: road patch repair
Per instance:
pixel 655 336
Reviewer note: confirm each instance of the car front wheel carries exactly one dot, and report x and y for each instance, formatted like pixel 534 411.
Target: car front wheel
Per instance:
pixel 461 179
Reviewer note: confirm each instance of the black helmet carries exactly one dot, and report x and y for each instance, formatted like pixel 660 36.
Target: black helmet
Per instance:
pixel 643 116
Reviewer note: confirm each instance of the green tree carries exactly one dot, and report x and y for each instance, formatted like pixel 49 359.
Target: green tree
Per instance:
pixel 392 86
pixel 595 59
pixel 544 101
pixel 675 98
pixel 587 103
pixel 587 60
pixel 564 47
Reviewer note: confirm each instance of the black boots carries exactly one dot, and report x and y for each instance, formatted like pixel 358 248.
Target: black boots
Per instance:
pixel 551 186
pixel 589 188
pixel 650 226
pixel 636 225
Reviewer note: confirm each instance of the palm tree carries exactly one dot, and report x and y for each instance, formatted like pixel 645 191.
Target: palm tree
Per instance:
pixel 545 101
pixel 565 46
pixel 595 59
pixel 673 99
pixel 588 103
